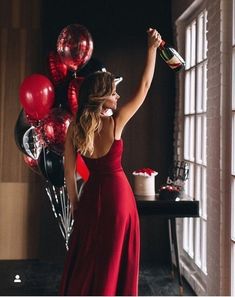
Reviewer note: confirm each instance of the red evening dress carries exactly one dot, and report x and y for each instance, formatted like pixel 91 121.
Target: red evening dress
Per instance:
pixel 103 256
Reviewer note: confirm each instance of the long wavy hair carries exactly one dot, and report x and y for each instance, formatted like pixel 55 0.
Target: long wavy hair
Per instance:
pixel 92 94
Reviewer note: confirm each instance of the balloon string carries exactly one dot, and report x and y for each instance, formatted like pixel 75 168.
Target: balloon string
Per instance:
pixel 55 195
pixel 50 198
pixel 44 160
pixel 63 214
pixel 62 202
pixel 66 210
pixel 69 220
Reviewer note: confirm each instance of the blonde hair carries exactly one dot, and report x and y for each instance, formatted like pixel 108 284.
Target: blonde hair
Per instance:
pixel 92 95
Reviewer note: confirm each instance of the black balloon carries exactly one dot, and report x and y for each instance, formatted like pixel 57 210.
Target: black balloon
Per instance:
pixel 61 91
pixel 52 167
pixel 92 66
pixel 21 126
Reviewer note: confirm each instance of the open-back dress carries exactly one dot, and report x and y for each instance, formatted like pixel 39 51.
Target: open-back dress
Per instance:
pixel 103 256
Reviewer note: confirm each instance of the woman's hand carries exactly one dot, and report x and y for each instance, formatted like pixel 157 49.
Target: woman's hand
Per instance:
pixel 154 38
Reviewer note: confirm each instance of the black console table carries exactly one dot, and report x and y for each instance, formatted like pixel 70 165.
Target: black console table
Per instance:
pixel 171 210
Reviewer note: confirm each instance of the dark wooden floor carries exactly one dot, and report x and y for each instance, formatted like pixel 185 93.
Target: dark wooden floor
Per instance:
pixel 40 278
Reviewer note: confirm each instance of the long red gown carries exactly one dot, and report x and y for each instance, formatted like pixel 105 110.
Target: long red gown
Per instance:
pixel 103 257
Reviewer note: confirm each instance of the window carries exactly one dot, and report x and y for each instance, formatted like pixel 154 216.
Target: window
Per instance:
pixel 195 108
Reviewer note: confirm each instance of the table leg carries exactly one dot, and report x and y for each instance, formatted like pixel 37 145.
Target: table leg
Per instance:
pixel 175 243
pixel 171 248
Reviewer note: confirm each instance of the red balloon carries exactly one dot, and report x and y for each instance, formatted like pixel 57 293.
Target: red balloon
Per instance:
pixel 37 96
pixel 55 127
pixel 73 94
pixel 75 46
pixel 81 168
pixel 58 70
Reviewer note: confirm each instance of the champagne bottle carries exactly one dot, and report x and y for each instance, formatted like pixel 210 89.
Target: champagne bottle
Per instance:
pixel 171 56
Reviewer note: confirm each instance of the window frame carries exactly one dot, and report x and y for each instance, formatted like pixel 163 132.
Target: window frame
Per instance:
pixel 218 281
pixel 197 277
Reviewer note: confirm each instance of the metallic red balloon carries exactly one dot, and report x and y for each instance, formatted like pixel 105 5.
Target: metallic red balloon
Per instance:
pixel 75 46
pixel 55 127
pixel 57 69
pixel 37 96
pixel 73 94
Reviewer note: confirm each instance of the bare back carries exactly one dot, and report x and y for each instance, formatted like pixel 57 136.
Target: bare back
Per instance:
pixel 105 138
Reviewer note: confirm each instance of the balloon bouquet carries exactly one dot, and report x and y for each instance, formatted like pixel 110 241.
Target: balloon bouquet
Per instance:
pixel 49 105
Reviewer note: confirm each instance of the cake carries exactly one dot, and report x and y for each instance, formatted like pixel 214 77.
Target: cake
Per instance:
pixel 144 183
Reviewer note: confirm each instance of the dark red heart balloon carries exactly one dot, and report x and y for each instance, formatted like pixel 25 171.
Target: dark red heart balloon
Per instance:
pixel 55 127
pixel 75 46
pixel 58 70
pixel 73 94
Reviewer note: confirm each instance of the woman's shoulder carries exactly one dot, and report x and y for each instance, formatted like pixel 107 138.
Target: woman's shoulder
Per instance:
pixel 71 128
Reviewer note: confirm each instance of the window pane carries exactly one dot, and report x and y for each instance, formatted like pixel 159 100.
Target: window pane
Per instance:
pixel 204 86
pixel 186 137
pixel 204 247
pixel 200 37
pixel 198 187
pixel 192 138
pixel 193 44
pixel 187 93
pixel 188 47
pixel 191 238
pixel 189 135
pixel 204 136
pixel 204 33
pixel 191 181
pixel 199 139
pixel 204 194
pixel 198 241
pixel 200 91
pixel 185 234
pixel 192 91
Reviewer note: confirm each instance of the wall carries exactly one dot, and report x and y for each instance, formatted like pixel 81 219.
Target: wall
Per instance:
pixel 28 30
pixel 119 33
pixel 20 189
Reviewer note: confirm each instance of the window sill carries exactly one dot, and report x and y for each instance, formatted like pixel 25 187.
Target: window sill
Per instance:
pixel 195 277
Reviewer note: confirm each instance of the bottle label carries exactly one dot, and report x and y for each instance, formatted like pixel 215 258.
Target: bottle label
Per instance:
pixel 174 62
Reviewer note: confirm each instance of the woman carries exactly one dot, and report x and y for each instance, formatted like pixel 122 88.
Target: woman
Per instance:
pixel 103 257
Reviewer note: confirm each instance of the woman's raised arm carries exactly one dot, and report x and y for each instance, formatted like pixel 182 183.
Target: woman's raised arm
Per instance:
pixel 133 104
